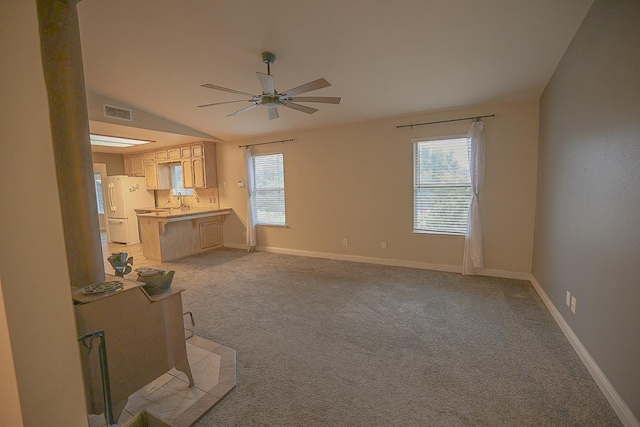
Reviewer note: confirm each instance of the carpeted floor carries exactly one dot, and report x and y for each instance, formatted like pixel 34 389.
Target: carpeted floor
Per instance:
pixel 332 343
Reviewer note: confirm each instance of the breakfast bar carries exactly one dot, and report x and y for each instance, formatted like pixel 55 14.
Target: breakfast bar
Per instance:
pixel 172 233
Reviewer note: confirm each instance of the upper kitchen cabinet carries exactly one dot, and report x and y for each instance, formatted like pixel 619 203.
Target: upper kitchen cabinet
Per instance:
pixel 198 161
pixel 134 165
pixel 203 166
pixel 157 176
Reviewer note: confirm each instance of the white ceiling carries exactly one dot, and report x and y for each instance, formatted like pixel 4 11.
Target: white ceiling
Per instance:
pixel 383 57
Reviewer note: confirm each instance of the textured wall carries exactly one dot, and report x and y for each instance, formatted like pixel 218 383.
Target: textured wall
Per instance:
pixel 356 182
pixel 587 238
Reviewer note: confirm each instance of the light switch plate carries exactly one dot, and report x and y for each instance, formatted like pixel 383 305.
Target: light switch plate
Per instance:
pixel 568 301
pixel 573 305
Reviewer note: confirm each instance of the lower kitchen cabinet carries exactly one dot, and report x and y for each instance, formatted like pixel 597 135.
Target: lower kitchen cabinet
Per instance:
pixel 172 235
pixel 210 234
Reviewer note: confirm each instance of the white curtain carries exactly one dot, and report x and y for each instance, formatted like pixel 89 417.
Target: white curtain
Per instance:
pixel 473 256
pixel 248 179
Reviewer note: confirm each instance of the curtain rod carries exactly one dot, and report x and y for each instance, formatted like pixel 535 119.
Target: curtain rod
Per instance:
pixel 264 143
pixel 444 121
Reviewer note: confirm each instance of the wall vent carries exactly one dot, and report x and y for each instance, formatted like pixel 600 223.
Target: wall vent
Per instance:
pixel 117 112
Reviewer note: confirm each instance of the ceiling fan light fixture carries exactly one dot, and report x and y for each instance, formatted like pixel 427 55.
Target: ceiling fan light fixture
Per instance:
pixel 270 101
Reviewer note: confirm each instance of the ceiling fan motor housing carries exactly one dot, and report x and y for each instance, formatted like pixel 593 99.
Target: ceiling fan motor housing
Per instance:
pixel 271 101
pixel 268 58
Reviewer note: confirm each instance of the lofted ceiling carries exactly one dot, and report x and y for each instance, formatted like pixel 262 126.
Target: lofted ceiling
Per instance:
pixel 384 58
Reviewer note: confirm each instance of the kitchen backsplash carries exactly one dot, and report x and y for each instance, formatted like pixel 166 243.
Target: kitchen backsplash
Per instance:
pixel 202 198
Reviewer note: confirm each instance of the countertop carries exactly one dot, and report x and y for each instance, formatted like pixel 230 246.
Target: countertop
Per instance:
pixel 175 214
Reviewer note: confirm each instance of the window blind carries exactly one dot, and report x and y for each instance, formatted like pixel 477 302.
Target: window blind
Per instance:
pixel 268 189
pixel 441 186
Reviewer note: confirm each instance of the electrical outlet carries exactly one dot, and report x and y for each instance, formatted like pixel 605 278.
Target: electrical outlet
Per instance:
pixel 573 305
pixel 345 242
pixel 383 245
pixel 568 300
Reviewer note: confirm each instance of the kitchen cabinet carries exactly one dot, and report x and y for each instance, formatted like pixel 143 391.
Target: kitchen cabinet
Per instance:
pixel 149 157
pixel 198 165
pixel 157 176
pixel 151 176
pixel 173 154
pixel 134 165
pixel 203 165
pixel 187 173
pixel 161 156
pixel 175 234
pixel 210 234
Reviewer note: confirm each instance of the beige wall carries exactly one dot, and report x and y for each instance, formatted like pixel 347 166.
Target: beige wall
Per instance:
pixel 9 400
pixel 587 238
pixel 35 279
pixel 114 162
pixel 355 182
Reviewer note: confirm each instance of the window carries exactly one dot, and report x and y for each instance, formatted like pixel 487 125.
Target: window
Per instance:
pixel 97 180
pixel 441 185
pixel 177 184
pixel 268 189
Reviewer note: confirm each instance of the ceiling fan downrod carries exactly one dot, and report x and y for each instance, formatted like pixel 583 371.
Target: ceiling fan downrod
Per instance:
pixel 268 58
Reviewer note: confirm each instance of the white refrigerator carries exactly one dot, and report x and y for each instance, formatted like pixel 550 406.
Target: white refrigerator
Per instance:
pixel 124 195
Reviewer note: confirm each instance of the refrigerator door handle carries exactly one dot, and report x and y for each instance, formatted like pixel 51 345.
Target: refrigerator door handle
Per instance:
pixel 111 207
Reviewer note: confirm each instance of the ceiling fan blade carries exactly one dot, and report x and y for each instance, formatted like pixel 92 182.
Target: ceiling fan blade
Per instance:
pixel 224 102
pixel 300 107
pixel 242 110
pixel 273 113
pixel 224 89
pixel 324 99
pixel 266 81
pixel 307 87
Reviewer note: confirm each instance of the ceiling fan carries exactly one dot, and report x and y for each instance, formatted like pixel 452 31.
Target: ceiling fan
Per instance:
pixel 271 99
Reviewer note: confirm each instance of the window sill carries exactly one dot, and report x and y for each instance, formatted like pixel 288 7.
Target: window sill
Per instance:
pixel 438 233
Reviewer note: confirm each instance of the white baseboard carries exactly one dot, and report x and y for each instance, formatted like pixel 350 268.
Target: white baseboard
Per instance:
pixel 505 274
pixel 235 246
pixel 385 261
pixel 610 393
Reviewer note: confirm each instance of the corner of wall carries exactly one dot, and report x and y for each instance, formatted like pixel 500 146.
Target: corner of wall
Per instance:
pixel 615 400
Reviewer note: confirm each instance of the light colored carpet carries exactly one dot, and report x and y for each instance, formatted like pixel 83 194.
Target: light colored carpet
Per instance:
pixel 332 343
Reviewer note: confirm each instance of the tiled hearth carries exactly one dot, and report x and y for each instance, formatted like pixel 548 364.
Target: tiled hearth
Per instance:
pixel 170 398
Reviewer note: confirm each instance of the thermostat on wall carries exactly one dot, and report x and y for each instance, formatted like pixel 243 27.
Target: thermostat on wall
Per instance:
pixel 240 183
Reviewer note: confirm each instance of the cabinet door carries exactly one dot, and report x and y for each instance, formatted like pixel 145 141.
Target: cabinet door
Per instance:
pixel 185 151
pixel 197 150
pixel 128 165
pixel 210 234
pixel 187 174
pixel 149 157
pixel 173 154
pixel 150 174
pixel 161 156
pixel 198 172
pixel 138 165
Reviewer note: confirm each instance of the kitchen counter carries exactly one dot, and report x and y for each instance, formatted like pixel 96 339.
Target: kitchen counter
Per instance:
pixel 172 233
pixel 178 214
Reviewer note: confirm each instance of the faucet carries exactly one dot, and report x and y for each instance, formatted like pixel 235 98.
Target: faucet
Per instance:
pixel 180 200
